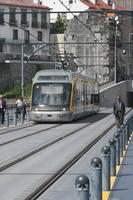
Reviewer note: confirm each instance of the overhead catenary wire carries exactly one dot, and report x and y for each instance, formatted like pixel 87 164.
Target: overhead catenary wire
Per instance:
pixel 83 24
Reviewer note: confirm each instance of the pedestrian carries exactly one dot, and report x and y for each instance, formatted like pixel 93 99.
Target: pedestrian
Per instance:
pixel 20 106
pixel 2 108
pixel 119 111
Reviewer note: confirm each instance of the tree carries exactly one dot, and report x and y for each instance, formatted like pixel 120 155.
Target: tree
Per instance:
pixel 59 25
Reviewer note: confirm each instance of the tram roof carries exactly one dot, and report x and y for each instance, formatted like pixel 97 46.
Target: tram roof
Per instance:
pixel 56 72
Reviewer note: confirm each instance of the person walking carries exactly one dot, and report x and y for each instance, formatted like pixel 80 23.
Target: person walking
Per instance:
pixel 119 111
pixel 2 108
pixel 21 107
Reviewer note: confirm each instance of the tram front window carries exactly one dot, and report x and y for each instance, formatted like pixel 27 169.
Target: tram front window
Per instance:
pixel 51 95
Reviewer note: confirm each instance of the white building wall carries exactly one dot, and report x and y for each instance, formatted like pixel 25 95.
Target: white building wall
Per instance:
pixel 6 31
pixel 57 6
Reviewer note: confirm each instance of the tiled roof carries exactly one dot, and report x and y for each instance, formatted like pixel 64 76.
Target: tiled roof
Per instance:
pixel 22 3
pixel 101 5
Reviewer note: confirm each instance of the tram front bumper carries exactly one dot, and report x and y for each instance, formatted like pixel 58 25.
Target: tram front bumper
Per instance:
pixel 40 116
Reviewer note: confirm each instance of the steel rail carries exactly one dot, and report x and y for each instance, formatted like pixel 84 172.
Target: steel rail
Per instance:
pixel 29 135
pixel 44 186
pixel 4 167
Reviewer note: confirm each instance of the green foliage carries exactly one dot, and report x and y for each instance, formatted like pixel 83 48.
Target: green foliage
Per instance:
pixel 59 25
pixel 16 92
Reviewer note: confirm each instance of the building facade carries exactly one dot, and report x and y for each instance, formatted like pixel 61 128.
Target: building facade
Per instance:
pixel 63 6
pixel 101 43
pixel 22 23
pixel 127 4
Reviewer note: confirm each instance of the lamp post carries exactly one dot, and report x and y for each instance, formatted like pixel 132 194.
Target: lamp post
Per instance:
pixel 130 54
pixel 115 49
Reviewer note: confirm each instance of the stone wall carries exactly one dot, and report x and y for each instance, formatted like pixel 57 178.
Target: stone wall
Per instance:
pixel 10 75
pixel 108 95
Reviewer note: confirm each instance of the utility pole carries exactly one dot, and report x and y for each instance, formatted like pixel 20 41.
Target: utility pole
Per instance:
pixel 22 70
pixel 115 49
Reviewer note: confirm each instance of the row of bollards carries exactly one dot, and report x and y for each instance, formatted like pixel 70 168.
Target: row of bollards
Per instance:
pixel 15 118
pixel 104 168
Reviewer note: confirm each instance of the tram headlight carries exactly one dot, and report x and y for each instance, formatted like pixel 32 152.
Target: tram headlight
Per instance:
pixel 36 109
pixel 64 109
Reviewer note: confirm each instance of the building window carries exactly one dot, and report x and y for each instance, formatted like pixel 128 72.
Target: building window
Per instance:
pixel 12 20
pixel 70 1
pixel 24 18
pixel 26 36
pixel 43 20
pixel 39 35
pixel 1 18
pixel 15 34
pixel 34 20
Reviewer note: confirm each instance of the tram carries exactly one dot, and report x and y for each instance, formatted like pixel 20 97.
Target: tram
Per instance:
pixel 60 96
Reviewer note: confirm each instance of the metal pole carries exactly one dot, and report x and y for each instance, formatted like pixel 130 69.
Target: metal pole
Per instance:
pixel 22 70
pixel 22 116
pixel 15 118
pixel 28 116
pixel 121 143
pixel 7 119
pixel 130 56
pixel 115 61
pixel 82 185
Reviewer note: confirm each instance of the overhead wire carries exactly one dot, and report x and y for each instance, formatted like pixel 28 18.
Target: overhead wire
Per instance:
pixel 83 24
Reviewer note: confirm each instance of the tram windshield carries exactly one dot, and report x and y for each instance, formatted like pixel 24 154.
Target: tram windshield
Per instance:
pixel 51 95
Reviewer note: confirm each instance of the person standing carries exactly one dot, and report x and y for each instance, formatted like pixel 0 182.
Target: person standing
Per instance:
pixel 2 108
pixel 119 111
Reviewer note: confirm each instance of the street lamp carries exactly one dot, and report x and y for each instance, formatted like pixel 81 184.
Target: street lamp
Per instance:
pixel 130 54
pixel 115 50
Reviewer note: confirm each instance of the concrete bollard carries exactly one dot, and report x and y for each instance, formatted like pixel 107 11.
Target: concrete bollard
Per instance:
pixel 7 119
pixel 82 185
pixel 96 179
pixel 105 168
pixel 117 138
pixel 112 143
pixel 15 118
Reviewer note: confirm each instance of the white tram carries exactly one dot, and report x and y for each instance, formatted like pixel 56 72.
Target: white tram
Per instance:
pixel 59 95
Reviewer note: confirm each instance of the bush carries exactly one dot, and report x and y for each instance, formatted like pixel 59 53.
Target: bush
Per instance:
pixel 16 91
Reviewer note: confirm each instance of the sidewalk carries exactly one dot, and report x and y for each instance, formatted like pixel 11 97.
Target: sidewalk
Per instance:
pixel 123 186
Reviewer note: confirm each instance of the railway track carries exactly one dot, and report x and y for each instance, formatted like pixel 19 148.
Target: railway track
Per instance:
pixel 41 187
pixel 31 134
pixel 38 149
pixel 44 186
pixel 41 146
